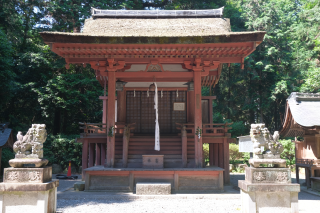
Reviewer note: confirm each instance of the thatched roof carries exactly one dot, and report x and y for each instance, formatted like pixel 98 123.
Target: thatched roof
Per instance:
pixel 157 30
pixel 157 27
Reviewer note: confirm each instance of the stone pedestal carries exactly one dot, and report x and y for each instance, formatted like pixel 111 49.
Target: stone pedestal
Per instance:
pixel 28 190
pixel 269 190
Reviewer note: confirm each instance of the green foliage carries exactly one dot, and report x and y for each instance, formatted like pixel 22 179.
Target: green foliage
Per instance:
pixel 7 154
pixel 238 129
pixel 6 73
pixel 60 149
pixel 234 152
pixel 246 158
pixel 289 152
pixel 205 147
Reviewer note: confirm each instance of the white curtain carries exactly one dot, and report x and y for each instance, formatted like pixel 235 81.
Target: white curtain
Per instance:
pixel 157 133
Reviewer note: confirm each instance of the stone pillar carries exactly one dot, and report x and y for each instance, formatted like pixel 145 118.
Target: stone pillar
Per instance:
pixel 197 117
pixel 111 117
pixel 269 190
pixel 31 188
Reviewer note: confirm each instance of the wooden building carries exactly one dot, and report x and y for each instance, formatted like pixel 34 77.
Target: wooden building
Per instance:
pixel 179 51
pixel 302 119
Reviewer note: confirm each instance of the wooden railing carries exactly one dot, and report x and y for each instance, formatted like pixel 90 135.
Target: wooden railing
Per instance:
pixel 207 129
pixel 91 129
pixel 307 162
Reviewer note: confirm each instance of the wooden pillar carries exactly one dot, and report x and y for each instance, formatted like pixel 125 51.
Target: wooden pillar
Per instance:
pixel 197 117
pixel 210 111
pixel 103 153
pixel 297 167
pixel 98 154
pixel 307 172
pixel 104 110
pixel 84 157
pixel 111 116
pixel 121 106
pixel 216 154
pixel 91 154
pixel 125 146
pixel 184 147
pixel 190 107
pixel 221 158
pixel 211 154
pixel 226 174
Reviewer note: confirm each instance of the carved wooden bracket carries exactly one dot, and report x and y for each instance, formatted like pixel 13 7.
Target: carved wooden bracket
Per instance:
pixel 111 67
pixel 206 66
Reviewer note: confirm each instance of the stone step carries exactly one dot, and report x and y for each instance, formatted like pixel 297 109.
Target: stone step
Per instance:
pixel 153 188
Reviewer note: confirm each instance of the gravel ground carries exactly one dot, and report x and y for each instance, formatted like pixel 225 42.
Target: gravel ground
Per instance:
pixel 70 201
pixel 149 205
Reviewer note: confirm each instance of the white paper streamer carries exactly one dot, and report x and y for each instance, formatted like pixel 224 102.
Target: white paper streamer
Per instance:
pixel 157 129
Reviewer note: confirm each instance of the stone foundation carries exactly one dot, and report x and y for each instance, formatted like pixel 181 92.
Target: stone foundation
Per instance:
pixel 182 180
pixel 153 188
pixel 268 190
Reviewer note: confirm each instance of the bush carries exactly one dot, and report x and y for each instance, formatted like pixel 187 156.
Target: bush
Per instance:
pixel 60 149
pixel 234 152
pixel 7 154
pixel 289 152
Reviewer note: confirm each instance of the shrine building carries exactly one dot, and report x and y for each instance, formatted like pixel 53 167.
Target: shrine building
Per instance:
pixel 140 54
pixel 302 119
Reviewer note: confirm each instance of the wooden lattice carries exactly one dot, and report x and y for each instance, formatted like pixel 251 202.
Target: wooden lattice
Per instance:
pixel 140 110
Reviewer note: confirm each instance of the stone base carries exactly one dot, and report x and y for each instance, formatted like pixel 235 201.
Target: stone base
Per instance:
pixel 79 186
pixel 28 197
pixel 275 198
pixel 27 175
pixel 28 162
pixel 257 162
pixel 153 188
pixel 268 175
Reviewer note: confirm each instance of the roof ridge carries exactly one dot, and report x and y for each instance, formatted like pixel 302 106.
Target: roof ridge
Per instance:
pixel 100 13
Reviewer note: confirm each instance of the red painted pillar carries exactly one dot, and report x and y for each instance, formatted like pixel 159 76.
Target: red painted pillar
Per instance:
pixel 197 117
pixel 91 154
pixel 98 156
pixel 84 157
pixel 184 147
pixel 226 172
pixel 103 153
pixel 111 116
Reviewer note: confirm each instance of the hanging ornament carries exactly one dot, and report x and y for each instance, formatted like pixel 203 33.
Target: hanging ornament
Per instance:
pixel 161 93
pixel 177 94
pixel 134 93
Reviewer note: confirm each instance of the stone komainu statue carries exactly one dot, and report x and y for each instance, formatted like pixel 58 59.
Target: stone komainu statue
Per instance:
pixel 31 144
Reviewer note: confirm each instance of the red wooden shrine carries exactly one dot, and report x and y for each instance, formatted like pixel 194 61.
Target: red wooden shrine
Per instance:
pixel 182 51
